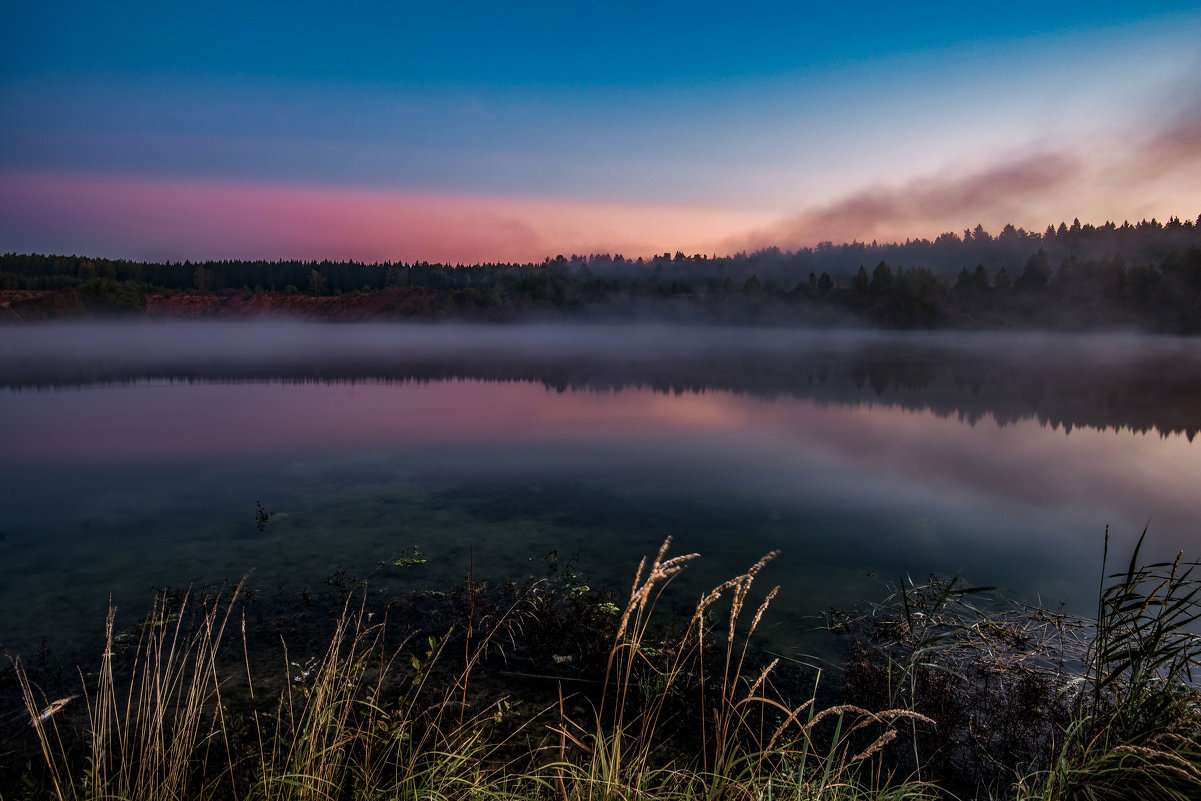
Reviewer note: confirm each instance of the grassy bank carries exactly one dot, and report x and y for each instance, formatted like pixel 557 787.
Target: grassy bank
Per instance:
pixel 551 690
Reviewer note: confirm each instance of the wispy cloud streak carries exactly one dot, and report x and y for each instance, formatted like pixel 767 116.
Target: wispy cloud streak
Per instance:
pixel 1145 173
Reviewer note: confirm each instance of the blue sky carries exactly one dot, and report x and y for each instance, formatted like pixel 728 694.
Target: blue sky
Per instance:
pixel 621 118
pixel 437 45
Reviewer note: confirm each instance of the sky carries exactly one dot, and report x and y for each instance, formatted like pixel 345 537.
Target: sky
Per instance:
pixel 476 132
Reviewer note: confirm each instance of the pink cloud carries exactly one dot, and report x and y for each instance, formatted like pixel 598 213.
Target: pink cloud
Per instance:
pixel 1150 171
pixel 951 201
pixel 159 218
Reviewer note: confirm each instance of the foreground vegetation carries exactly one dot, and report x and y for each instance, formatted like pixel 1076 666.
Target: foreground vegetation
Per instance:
pixel 948 691
pixel 1146 275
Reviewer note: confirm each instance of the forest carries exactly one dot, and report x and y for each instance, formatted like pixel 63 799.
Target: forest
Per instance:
pixel 1141 276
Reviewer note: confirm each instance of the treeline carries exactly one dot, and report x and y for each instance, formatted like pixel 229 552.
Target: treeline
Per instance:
pixel 1145 275
pixel 1059 382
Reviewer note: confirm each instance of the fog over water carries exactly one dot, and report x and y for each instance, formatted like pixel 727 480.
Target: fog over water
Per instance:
pixel 1098 380
pixel 134 456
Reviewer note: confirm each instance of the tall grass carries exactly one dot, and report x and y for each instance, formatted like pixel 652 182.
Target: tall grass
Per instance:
pixel 1036 704
pixel 1136 732
pixel 345 724
pixel 679 713
pixel 683 707
pixel 143 735
pixel 751 742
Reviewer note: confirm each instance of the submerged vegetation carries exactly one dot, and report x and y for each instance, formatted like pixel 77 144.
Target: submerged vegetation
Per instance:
pixel 1146 275
pixel 551 690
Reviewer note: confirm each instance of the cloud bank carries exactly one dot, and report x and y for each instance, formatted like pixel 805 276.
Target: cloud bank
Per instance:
pixel 1136 175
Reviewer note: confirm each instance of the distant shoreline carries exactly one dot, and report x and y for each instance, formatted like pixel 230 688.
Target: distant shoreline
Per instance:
pixel 1144 277
pixel 841 308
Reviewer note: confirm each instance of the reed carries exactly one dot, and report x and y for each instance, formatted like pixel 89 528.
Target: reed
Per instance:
pixel 1037 704
pixel 1136 729
pixel 689 712
pixel 143 735
pixel 751 741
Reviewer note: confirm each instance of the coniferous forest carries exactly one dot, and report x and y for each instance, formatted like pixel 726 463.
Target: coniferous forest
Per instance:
pixel 1142 276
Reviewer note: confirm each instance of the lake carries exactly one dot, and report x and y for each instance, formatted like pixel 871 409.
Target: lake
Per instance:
pixel 136 456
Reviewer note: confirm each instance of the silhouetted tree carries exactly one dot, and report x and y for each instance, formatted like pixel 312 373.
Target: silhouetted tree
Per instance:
pixel 317 283
pixel 882 278
pixel 203 279
pixel 1037 272
pixel 1002 282
pixel 861 282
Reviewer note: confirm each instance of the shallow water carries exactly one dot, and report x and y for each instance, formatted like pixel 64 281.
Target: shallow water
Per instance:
pixel 134 456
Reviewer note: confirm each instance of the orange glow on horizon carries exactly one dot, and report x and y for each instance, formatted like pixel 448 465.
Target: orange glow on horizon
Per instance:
pixel 155 218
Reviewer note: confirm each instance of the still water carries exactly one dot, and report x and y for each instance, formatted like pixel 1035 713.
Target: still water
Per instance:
pixel 135 457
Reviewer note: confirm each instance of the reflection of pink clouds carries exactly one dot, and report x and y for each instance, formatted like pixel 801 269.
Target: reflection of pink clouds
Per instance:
pixel 638 410
pixel 1025 464
pixel 168 421
pixel 147 218
pixel 778 443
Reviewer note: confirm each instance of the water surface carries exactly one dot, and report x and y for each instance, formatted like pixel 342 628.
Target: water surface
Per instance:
pixel 134 456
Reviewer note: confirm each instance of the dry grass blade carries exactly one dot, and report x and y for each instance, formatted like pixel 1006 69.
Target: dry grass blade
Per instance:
pixel 351 720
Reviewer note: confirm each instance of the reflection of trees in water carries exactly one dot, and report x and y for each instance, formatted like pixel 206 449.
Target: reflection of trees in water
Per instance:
pixel 1150 393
